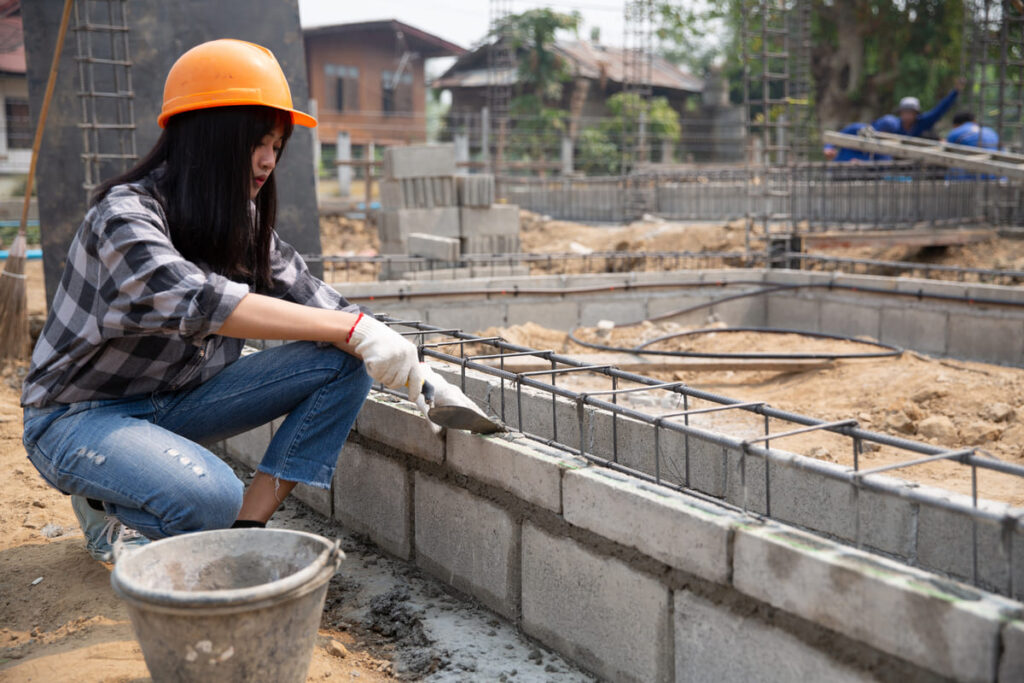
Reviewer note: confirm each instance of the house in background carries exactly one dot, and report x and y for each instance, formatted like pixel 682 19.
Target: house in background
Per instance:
pixel 16 123
pixel 597 74
pixel 368 81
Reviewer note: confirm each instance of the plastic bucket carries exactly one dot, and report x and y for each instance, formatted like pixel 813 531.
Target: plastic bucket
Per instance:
pixel 228 605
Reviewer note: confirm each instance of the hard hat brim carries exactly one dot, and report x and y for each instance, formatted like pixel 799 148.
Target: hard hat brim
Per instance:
pixel 298 118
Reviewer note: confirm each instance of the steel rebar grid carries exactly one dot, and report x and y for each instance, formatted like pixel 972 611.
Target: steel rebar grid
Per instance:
pixel 857 479
pixel 105 89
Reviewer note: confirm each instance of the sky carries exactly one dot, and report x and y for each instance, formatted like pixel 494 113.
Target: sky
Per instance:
pixel 463 22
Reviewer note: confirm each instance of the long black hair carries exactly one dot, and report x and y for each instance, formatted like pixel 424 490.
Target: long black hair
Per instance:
pixel 205 187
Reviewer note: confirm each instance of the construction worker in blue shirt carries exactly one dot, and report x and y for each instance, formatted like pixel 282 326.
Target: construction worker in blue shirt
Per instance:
pixel 968 132
pixel 916 124
pixel 886 124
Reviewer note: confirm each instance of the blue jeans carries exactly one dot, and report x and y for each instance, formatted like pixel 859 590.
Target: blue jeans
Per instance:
pixel 142 456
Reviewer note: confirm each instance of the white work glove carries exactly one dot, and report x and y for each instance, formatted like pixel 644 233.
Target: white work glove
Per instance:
pixel 390 358
pixel 444 395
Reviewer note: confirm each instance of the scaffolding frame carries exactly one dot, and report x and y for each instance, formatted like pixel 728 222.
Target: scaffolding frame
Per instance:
pixel 775 40
pixel 105 89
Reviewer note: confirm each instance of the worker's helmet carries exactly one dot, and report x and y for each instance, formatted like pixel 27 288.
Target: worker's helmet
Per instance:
pixel 911 103
pixel 227 73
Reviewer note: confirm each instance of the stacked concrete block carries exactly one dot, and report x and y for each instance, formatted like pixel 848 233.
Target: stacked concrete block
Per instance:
pixel 417 193
pixel 489 230
pixel 419 161
pixel 475 190
pixel 395 226
pixel 433 247
pixel 420 193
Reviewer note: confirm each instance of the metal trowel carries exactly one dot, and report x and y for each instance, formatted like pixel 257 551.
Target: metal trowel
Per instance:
pixel 456 411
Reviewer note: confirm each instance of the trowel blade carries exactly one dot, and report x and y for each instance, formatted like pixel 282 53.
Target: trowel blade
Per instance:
pixel 459 417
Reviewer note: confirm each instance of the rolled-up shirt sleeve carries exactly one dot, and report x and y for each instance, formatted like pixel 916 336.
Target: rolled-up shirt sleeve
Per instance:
pixel 293 281
pixel 150 288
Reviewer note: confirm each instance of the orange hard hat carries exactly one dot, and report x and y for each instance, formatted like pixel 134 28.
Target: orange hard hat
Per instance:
pixel 226 73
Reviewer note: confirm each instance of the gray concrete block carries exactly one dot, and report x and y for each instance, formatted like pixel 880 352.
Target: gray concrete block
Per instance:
pixel 496 220
pixel 887 523
pixel 596 610
pixel 400 425
pixel 679 530
pixel 749 312
pixel 1011 664
pixel 433 246
pixel 555 315
pixel 491 244
pixel 914 328
pixel 714 643
pixel 468 542
pixel 475 190
pixel 392 195
pixel 372 497
pixel 992 339
pixel 661 304
pixel 851 320
pixel 812 500
pixel 708 464
pixel 509 463
pixel 745 482
pixel 625 441
pixel 318 499
pixel 395 226
pixel 249 447
pixel 948 629
pixel 618 311
pixel 793 312
pixel 419 161
pixel 945 544
pixel 468 317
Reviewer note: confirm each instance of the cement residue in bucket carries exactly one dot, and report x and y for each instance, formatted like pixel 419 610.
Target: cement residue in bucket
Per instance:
pixel 243 570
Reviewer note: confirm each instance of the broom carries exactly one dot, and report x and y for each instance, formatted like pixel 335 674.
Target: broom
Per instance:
pixel 13 307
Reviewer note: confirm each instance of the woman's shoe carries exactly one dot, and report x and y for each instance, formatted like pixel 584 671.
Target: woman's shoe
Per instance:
pixel 103 532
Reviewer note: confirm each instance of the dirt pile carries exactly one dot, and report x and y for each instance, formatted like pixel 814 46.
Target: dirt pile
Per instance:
pixel 540 234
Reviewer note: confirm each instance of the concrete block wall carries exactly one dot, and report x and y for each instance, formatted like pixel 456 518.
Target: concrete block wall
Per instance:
pixel 636 582
pixel 907 521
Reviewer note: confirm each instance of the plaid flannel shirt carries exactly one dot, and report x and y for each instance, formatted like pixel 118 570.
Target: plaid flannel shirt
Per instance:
pixel 133 317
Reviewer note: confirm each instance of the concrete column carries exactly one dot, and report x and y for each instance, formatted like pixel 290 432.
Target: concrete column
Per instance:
pixel 461 148
pixel 666 152
pixel 567 160
pixel 344 153
pixel 485 135
pixel 641 154
pixel 317 150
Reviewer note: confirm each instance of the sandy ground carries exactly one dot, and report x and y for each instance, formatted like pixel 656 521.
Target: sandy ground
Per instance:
pixel 393 622
pixel 938 401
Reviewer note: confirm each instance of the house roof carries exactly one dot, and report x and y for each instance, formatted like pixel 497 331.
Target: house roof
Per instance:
pixel 588 60
pixel 426 44
pixel 12 45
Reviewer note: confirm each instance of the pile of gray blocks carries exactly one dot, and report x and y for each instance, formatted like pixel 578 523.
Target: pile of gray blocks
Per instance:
pixel 432 212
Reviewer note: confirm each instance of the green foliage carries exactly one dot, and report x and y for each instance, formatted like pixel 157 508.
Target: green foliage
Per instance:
pixel 540 129
pixel 662 119
pixel 597 154
pixel 530 35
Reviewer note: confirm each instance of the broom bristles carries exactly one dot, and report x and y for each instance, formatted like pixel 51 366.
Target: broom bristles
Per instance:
pixel 13 304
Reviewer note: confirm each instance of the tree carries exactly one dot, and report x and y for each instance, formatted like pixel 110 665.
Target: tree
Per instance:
pixel 865 55
pixel 542 72
pixel 531 35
